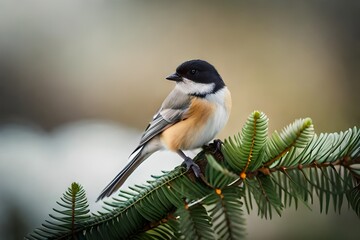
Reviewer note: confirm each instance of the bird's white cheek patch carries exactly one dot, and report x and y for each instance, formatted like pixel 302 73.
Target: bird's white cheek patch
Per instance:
pixel 190 87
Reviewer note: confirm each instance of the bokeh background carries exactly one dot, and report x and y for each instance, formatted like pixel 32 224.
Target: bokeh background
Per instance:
pixel 79 80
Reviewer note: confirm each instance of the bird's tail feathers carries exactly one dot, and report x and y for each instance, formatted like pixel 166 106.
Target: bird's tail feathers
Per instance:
pixel 136 158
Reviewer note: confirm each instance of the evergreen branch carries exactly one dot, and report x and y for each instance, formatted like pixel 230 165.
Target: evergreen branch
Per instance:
pixel 297 135
pixel 253 137
pixel 194 222
pixel 295 165
pixel 226 213
pixel 68 220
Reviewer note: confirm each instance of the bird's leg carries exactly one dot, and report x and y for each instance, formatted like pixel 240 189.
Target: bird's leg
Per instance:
pixel 190 163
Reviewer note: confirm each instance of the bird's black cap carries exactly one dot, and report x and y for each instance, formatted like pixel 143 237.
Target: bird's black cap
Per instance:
pixel 199 71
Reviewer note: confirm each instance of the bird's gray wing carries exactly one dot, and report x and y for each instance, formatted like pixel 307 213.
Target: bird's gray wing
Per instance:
pixel 173 110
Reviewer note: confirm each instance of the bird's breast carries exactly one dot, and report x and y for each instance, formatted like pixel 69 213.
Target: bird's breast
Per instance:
pixel 204 119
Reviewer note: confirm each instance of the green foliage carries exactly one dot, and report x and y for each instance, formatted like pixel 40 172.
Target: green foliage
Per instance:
pixel 217 175
pixel 244 152
pixel 195 223
pixel 354 199
pixel 226 213
pixel 294 136
pixel 68 219
pixel 252 170
pixel 163 231
pixel 262 189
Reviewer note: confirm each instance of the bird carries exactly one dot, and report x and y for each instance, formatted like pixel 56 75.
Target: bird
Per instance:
pixel 190 116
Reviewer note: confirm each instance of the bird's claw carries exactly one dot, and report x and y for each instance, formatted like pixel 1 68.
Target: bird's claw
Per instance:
pixel 217 143
pixel 191 164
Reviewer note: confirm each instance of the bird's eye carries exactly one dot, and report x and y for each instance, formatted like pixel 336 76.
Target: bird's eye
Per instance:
pixel 193 71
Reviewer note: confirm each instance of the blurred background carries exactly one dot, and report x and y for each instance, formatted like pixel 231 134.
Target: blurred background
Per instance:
pixel 79 81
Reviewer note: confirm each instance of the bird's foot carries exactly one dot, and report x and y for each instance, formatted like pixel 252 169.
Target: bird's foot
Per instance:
pixel 217 143
pixel 213 147
pixel 191 164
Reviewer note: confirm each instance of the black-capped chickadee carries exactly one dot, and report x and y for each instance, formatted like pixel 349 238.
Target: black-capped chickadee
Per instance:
pixel 190 116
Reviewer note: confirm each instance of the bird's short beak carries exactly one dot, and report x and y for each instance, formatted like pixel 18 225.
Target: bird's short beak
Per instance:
pixel 175 77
